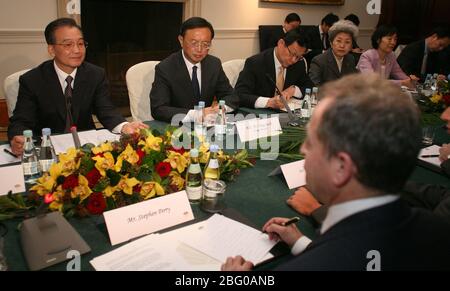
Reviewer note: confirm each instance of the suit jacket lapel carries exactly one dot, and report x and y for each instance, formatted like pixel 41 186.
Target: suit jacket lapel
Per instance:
pixel 332 64
pixel 55 91
pixel 269 68
pixel 204 81
pixel 78 92
pixel 185 80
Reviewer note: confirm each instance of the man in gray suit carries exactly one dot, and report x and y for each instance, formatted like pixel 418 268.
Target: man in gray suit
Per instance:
pixel 336 61
pixel 190 75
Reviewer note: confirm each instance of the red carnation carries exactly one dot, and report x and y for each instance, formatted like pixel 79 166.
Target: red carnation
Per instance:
pixel 141 155
pixel 93 176
pixel 163 169
pixel 96 204
pixel 70 182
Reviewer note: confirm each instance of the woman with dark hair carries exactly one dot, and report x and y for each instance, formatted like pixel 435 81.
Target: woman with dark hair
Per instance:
pixel 381 58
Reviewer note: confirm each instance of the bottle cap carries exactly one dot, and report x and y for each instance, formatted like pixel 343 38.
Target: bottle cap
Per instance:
pixel 308 91
pixel 194 153
pixel 46 131
pixel 27 133
pixel 214 148
pixel 315 89
pixel 222 102
pixel 201 104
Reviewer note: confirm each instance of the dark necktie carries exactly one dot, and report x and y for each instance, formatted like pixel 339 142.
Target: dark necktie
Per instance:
pixel 68 96
pixel 195 84
pixel 423 69
pixel 325 41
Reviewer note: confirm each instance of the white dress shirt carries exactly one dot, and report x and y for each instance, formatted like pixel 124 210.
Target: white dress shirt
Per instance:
pixel 339 212
pixel 261 102
pixel 62 76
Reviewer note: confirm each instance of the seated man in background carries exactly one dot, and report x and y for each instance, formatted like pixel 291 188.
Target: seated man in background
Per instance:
pixel 427 56
pixel 190 75
pixel 274 33
pixel 64 91
pixel 355 19
pixel 337 61
pixel 354 165
pixel 284 63
pixel 435 198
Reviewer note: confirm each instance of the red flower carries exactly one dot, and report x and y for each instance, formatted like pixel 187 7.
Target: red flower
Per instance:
pixel 48 198
pixel 181 150
pixel 446 99
pixel 70 182
pixel 163 169
pixel 93 176
pixel 141 155
pixel 96 204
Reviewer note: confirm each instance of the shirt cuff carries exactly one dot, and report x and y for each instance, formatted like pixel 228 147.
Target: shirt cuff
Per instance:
pixel 261 102
pixel 300 245
pixel 118 129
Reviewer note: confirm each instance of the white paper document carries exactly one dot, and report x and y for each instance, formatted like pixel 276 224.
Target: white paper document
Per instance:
pixel 6 158
pixel 295 174
pixel 253 129
pixel 432 151
pixel 12 179
pixel 63 142
pixel 294 104
pixel 158 252
pixel 223 237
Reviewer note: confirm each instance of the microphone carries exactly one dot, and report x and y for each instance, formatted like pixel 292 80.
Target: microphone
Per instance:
pixel 291 115
pixel 76 138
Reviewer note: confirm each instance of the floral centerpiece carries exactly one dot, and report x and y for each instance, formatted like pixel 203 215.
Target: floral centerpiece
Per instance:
pixel 115 174
pixel 432 106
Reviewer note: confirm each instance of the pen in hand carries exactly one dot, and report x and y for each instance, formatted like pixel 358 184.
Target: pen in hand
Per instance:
pixel 10 153
pixel 289 222
pixel 430 156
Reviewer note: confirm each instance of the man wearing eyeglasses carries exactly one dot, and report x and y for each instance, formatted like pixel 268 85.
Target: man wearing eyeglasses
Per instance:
pixel 190 75
pixel 285 64
pixel 65 91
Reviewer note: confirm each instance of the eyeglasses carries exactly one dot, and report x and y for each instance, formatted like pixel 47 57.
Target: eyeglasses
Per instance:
pixel 70 45
pixel 200 44
pixel 294 55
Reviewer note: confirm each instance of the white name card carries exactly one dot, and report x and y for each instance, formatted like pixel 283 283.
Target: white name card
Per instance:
pixel 295 174
pixel 431 155
pixel 146 217
pixel 253 129
pixel 12 180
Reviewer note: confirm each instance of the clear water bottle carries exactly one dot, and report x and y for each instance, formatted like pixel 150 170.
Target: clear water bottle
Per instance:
pixel 30 161
pixel 202 122
pixel 314 97
pixel 306 106
pixel 194 178
pixel 47 154
pixel 426 91
pixel 212 170
pixel 220 125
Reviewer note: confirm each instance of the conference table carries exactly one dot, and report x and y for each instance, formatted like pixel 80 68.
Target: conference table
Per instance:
pixel 254 196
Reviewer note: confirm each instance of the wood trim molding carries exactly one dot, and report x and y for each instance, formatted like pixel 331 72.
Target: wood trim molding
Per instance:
pixel 20 36
pixel 192 8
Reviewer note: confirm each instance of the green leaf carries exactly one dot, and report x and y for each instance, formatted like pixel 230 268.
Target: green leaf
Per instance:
pixel 114 177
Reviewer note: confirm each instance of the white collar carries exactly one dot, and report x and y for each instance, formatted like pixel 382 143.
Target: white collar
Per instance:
pixel 339 212
pixel 189 65
pixel 320 29
pixel 62 76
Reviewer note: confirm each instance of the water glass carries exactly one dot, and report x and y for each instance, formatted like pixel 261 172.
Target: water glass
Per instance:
pixel 213 199
pixel 428 135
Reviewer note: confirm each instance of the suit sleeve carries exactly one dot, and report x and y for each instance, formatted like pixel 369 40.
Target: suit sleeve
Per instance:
pixel 106 112
pixel 315 72
pixel 224 91
pixel 365 65
pixel 246 85
pixel 25 115
pixel 160 97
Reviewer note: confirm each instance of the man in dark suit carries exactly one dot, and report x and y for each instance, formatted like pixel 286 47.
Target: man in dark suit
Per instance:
pixel 318 36
pixel 190 75
pixel 354 164
pixel 284 63
pixel 275 33
pixel 64 91
pixel 427 56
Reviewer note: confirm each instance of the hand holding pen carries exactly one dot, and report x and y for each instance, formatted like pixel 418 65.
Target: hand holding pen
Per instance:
pixel 284 229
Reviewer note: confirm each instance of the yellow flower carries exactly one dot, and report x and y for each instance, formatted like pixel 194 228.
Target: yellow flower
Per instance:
pixel 57 204
pixel 151 143
pixel 177 180
pixel 109 191
pixel 204 153
pixel 104 163
pixel 128 155
pixel 56 170
pixel 126 185
pixel 150 189
pixel 436 98
pixel 105 147
pixel 177 161
pixel 44 185
pixel 68 163
pixel 82 191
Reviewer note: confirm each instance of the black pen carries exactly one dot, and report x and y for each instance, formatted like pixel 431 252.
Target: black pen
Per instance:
pixel 289 222
pixel 430 156
pixel 10 152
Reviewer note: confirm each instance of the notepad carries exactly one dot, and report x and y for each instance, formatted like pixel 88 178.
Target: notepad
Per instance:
pixel 12 179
